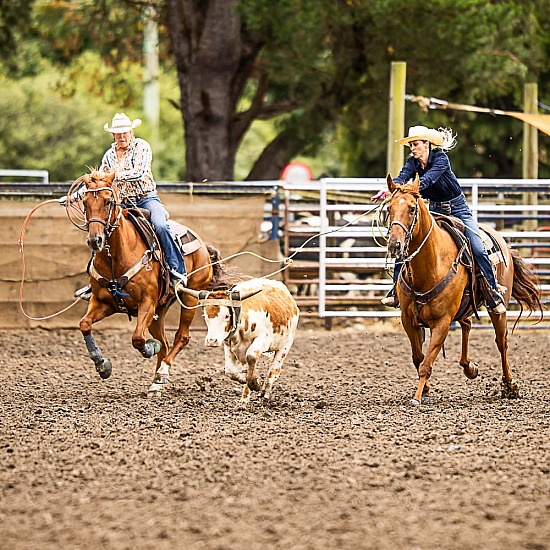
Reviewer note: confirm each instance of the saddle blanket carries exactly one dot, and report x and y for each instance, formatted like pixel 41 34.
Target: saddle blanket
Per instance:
pixel 493 250
pixel 185 238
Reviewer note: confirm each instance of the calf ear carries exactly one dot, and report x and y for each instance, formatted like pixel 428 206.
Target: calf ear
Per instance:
pixel 391 185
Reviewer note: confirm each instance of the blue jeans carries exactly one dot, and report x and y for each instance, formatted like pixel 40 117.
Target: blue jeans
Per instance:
pixel 461 210
pixel 158 218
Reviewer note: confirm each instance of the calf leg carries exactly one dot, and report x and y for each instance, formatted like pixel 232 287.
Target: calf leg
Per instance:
pixel 275 369
pixel 233 367
pixel 253 354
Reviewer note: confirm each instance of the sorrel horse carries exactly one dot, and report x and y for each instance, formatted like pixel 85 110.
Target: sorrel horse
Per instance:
pixel 127 276
pixel 434 279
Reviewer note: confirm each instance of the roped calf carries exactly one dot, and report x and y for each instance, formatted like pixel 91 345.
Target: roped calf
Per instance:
pixel 252 318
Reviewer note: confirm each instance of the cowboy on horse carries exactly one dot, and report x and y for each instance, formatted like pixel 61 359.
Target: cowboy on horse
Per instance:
pixel 129 158
pixel 439 184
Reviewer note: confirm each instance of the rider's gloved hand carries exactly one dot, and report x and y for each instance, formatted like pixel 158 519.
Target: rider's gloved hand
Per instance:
pixel 63 201
pixel 382 194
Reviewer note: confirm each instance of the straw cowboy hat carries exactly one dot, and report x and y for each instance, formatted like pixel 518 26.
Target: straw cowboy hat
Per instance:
pixel 421 133
pixel 121 123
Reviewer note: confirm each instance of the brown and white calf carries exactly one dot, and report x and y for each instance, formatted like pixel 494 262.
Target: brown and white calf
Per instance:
pixel 252 318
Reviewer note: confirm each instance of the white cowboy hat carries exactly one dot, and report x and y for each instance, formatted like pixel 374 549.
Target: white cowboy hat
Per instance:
pixel 421 133
pixel 121 123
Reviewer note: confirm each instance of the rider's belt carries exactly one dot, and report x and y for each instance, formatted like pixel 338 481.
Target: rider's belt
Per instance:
pixel 451 201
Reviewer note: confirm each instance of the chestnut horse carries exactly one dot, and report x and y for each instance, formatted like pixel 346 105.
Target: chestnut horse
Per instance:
pixel 126 276
pixel 434 279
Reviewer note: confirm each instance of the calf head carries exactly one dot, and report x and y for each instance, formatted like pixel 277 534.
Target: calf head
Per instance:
pixel 221 311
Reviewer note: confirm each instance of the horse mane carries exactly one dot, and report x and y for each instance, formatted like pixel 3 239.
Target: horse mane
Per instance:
pixel 407 188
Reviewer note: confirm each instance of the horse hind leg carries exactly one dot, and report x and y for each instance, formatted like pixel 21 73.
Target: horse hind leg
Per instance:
pixel 470 368
pixel 162 370
pixel 509 387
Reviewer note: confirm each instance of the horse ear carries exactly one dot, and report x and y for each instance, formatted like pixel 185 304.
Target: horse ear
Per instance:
pixel 416 183
pixel 87 178
pixel 391 185
pixel 110 177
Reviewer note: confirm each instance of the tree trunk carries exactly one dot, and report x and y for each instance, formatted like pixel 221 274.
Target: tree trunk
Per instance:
pixel 214 60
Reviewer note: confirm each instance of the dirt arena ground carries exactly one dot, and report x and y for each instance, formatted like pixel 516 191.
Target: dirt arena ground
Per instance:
pixel 337 459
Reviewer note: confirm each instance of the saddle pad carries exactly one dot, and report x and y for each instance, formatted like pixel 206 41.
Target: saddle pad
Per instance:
pixel 494 252
pixel 187 241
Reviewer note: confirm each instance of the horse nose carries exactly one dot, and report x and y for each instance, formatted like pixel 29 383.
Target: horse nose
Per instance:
pixel 394 247
pixel 95 242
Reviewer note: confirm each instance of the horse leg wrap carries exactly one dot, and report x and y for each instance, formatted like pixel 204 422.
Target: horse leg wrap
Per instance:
pixel 152 347
pixel 93 351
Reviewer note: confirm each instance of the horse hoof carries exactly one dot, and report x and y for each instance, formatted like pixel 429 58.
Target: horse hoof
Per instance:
pixel 154 390
pixel 510 392
pixel 104 368
pixel 472 375
pixel 426 399
pixel 152 347
pixel 415 402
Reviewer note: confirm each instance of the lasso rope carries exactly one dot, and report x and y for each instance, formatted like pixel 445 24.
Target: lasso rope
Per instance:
pixel 22 250
pixel 287 262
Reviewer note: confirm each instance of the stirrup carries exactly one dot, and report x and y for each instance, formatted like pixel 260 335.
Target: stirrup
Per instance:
pixel 177 283
pixel 499 309
pixel 84 293
pixel 390 301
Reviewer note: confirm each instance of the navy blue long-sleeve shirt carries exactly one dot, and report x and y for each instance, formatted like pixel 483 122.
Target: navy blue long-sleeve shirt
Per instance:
pixel 437 181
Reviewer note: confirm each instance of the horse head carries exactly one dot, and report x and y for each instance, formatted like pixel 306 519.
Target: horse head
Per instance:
pixel 403 210
pixel 100 205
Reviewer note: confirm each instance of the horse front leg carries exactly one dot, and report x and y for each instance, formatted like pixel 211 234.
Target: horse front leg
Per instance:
pixel 500 323
pixel 96 311
pixel 470 369
pixel 437 339
pixel 415 334
pixel 147 348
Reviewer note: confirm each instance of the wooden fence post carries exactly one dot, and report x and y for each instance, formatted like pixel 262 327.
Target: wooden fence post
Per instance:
pixel 396 117
pixel 530 148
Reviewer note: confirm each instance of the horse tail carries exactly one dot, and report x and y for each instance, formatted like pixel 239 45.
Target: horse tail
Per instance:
pixel 223 275
pixel 526 287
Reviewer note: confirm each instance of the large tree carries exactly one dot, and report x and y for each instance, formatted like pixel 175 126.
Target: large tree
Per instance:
pixel 318 66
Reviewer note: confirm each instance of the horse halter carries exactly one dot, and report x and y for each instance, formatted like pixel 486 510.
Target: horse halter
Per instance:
pixel 109 227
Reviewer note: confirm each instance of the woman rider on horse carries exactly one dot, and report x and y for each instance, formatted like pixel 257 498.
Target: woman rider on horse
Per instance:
pixel 130 159
pixel 438 183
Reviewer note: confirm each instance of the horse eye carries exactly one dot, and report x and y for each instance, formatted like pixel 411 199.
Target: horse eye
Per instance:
pixel 412 210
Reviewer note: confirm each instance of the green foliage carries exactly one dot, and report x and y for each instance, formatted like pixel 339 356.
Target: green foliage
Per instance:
pixel 42 130
pixel 45 127
pixel 327 65
pixel 14 26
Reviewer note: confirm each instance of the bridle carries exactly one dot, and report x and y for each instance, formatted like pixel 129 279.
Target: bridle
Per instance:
pixel 409 234
pixel 113 205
